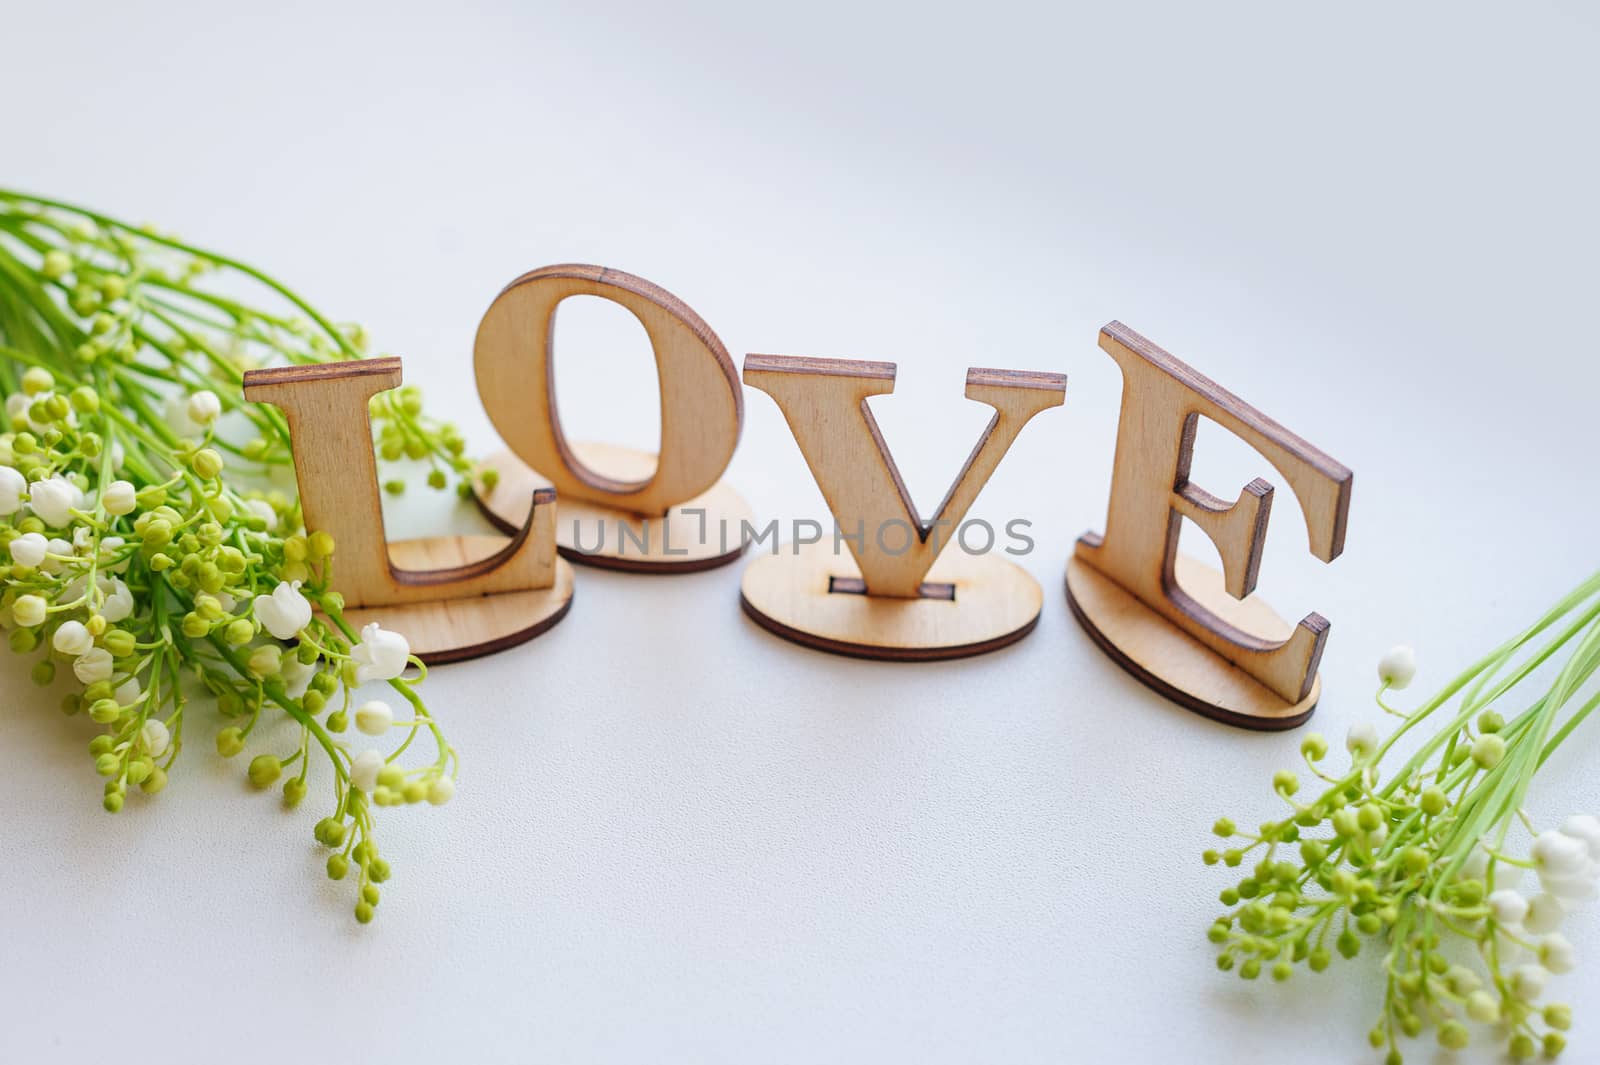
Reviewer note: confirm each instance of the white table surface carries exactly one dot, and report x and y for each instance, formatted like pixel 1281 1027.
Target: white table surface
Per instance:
pixel 677 838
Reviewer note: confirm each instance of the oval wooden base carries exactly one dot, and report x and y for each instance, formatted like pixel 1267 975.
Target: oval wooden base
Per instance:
pixel 995 603
pixel 450 630
pixel 595 535
pixel 1166 659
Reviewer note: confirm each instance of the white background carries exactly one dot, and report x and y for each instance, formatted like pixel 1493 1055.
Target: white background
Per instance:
pixel 678 838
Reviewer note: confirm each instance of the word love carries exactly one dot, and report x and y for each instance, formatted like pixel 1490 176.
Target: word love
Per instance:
pixel 1194 635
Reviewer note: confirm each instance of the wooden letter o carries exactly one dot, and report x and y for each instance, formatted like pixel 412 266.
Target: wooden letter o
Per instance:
pixel 702 404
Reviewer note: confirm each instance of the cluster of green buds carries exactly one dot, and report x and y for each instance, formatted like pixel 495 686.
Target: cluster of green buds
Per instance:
pixel 1419 861
pixel 145 550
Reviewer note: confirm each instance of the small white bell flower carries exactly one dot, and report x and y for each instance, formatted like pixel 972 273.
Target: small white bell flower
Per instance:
pixel 12 485
pixel 1508 907
pixel 203 407
pixel 29 549
pixel 178 419
pixel 128 692
pixel 29 610
pixel 54 500
pixel 118 603
pixel 1556 954
pixel 1396 668
pixel 285 612
pixel 381 654
pixel 154 737
pixel 374 718
pixel 72 638
pixel 364 770
pixel 93 666
pixel 119 498
pixel 1362 739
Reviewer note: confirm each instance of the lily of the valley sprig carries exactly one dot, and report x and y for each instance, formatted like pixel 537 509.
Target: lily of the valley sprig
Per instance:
pixel 136 559
pixel 1435 863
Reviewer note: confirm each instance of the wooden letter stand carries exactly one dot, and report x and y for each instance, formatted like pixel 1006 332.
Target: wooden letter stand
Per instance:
pixel 904 597
pixel 615 512
pixel 453 597
pixel 1180 627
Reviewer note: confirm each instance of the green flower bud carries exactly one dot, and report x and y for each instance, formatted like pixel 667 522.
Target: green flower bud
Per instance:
pixel 320 545
pixel 139 770
pixel 1558 1016
pixel 338 721
pixel 1414 859
pixel 1433 801
pixel 1369 817
pixel 1554 1044
pixel 1349 946
pixel 1250 969
pixel 370 894
pixel 1225 962
pixel 264 769
pixel 378 870
pixel 155 782
pixel 43 672
pixel 85 400
pixel 391 776
pixel 1345 825
pixel 101 744
pixel 1313 852
pixel 112 802
pixel 194 626
pixel 1285 782
pixel 1223 827
pixel 1521 1047
pixel 364 912
pixel 338 866
pixel 1369 924
pixel 1488 750
pixel 22 641
pixel 207 463
pixel 1319 959
pixel 107 764
pixel 120 642
pixel 394 488
pixel 56 265
pixel 239 632
pixel 266 660
pixel 230 741
pixel 313 701
pixel 295 548
pixel 104 711
pixel 294 790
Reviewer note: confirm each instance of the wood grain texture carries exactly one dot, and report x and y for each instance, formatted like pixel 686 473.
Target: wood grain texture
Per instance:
pixel 702 405
pixel 825 404
pixel 452 597
pixel 453 630
pixel 698 534
pixel 1162 402
pixel 1166 659
pixel 993 603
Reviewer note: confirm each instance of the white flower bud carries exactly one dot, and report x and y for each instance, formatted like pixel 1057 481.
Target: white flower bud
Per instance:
pixel 1585 827
pixel 364 770
pixel 1362 739
pixel 54 500
pixel 1544 914
pixel 29 549
pixel 441 790
pixel 381 654
pixel 1483 1007
pixel 1509 907
pixel 93 666
pixel 285 612
pixel 1559 855
pixel 127 693
pixel 56 546
pixel 154 737
pixel 203 407
pixel 1528 981
pixel 12 484
pixel 374 718
pixel 119 498
pixel 109 546
pixel 263 510
pixel 1556 954
pixel 1396 668
pixel 72 638
pixel 29 610
pixel 295 674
